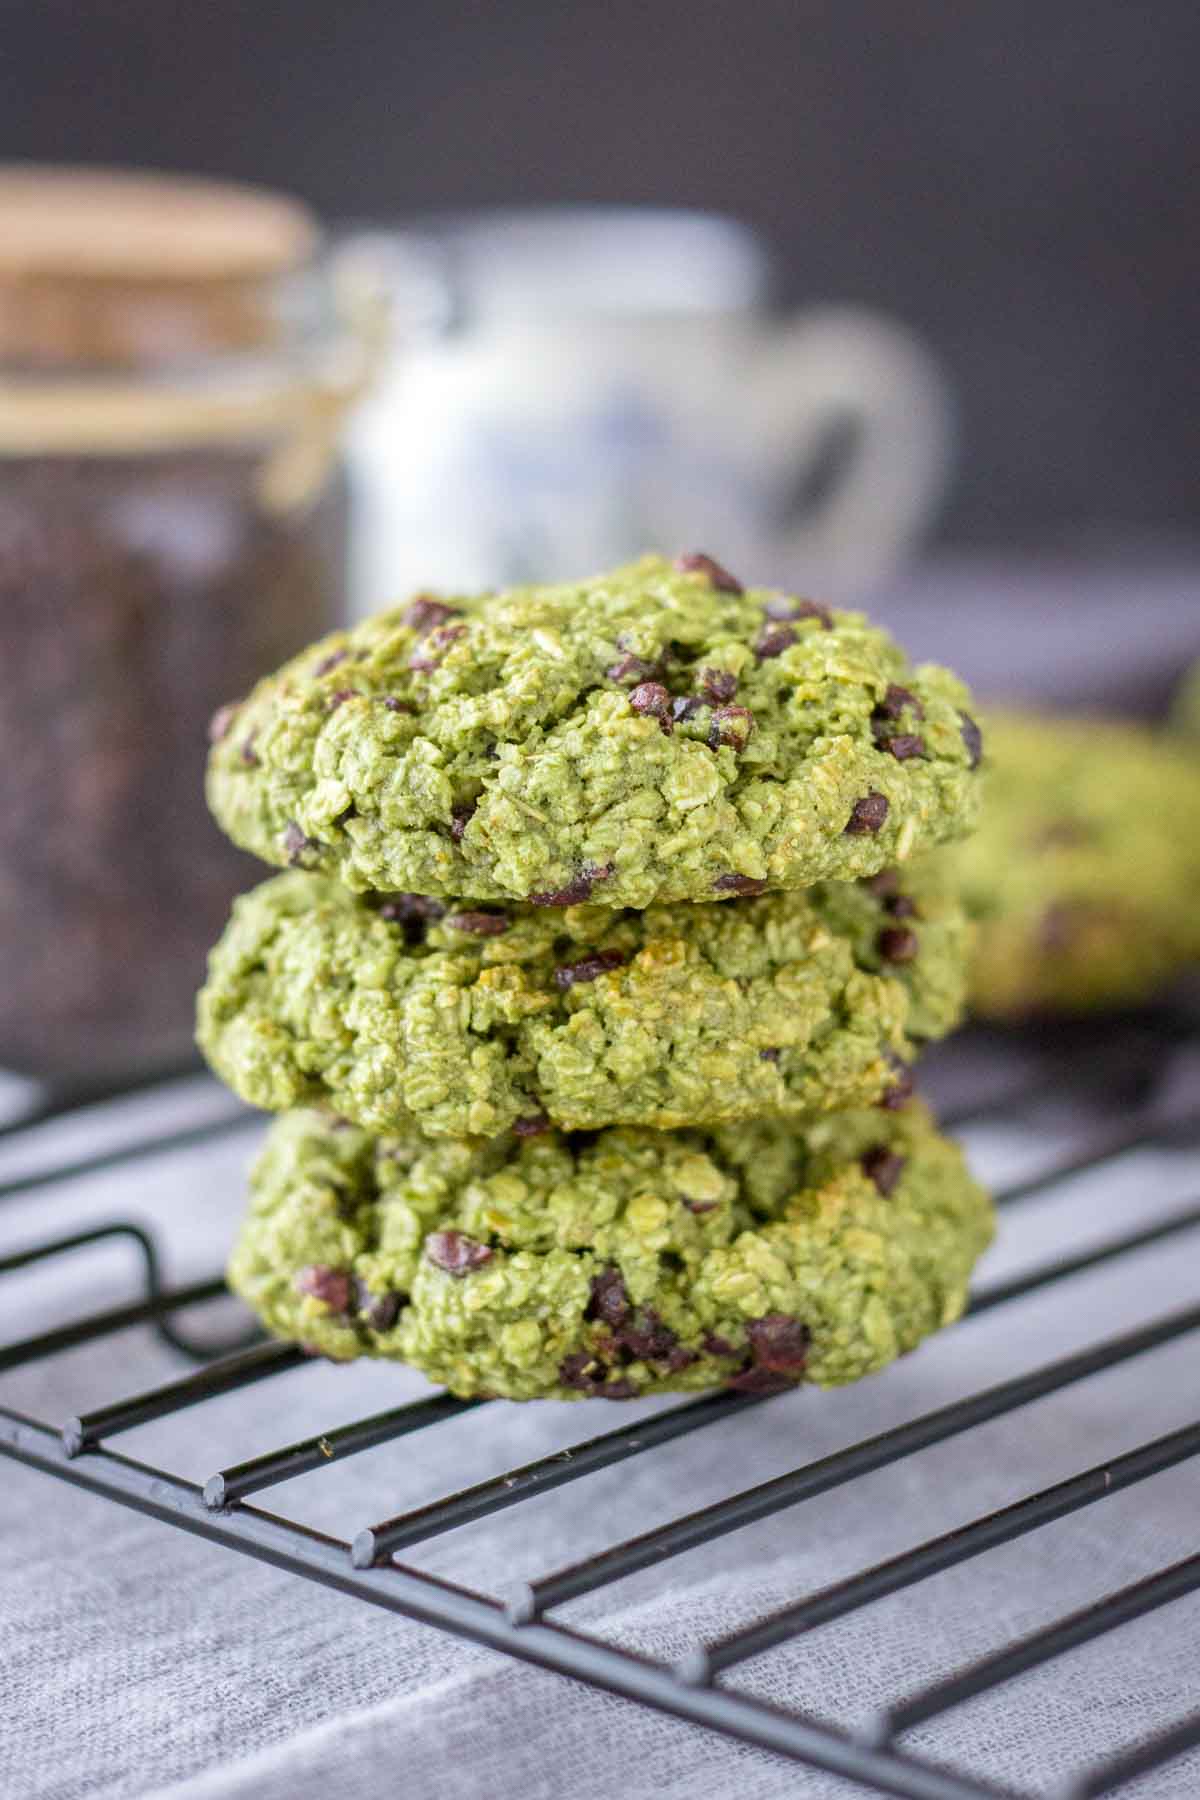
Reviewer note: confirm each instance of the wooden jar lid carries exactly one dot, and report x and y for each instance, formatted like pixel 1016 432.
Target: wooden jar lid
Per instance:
pixel 116 268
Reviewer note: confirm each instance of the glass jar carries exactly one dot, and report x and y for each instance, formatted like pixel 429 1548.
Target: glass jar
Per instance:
pixel 174 366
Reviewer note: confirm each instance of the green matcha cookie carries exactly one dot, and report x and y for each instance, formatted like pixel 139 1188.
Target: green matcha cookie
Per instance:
pixel 654 734
pixel 620 1263
pixel 462 1020
pixel 1085 872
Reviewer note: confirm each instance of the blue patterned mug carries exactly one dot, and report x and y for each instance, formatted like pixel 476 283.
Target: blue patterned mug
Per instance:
pixel 573 386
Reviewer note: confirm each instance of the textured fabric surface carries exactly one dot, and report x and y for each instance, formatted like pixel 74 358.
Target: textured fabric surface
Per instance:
pixel 136 1661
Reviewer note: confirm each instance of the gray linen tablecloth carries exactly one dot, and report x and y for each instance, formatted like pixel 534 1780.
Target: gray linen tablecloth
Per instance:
pixel 136 1660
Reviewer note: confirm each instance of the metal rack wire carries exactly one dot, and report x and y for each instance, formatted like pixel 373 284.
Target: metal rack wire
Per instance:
pixel 520 1621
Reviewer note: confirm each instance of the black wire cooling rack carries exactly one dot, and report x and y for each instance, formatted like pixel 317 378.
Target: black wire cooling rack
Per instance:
pixel 520 1622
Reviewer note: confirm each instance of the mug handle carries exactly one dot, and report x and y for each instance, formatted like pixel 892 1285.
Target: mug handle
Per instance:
pixel 844 365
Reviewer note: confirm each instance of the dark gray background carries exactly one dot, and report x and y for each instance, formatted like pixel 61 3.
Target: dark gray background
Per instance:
pixel 1018 181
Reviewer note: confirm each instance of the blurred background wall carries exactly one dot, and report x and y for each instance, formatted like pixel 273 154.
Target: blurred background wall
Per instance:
pixel 1017 181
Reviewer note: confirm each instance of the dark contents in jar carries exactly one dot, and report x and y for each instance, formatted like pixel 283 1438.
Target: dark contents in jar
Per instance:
pixel 136 596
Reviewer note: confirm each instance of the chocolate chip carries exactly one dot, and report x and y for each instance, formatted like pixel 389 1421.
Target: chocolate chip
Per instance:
pixel 972 737
pixel 581 1370
pixel 718 1346
pixel 633 668
pixel 901 1090
pixel 717 685
pixel 779 1342
pixel 772 1055
pixel 756 1380
pixel 867 815
pixel 773 640
pixel 434 647
pixel 652 698
pixel 685 706
pixel 739 884
pixel 479 924
pixel 577 890
pixel 883 885
pixel 883 1167
pixel 247 753
pixel 782 606
pixel 404 909
pixel 680 1357
pixel 898 944
pixel 646 1337
pixel 423 613
pixel 460 818
pixel 380 1310
pixel 694 562
pixel 340 696
pixel 700 1207
pixel 616 1390
pixel 329 1285
pixel 397 706
pixel 904 746
pixel 531 1125
pixel 609 1298
pixel 1057 928
pixel 599 962
pixel 221 723
pixel 895 700
pixel 295 843
pixel 386 1310
pixel 900 906
pixel 731 725
pixel 330 662
pixel 455 1252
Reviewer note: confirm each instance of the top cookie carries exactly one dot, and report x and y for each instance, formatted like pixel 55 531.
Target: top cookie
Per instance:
pixel 654 734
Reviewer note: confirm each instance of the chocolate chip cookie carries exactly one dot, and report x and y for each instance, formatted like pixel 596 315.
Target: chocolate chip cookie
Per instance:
pixel 659 733
pixel 459 1018
pixel 618 1263
pixel 1085 872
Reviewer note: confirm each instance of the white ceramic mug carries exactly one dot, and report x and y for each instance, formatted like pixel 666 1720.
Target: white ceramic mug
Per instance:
pixel 572 387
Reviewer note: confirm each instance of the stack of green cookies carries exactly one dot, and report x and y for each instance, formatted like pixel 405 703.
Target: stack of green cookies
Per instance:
pixel 609 932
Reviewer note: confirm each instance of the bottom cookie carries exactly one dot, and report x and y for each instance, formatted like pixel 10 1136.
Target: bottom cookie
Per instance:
pixel 614 1263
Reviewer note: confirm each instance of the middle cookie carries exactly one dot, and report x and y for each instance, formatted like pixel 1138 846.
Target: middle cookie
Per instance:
pixel 398 1011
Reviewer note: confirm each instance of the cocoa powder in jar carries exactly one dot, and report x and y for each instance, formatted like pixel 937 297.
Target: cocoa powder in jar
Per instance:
pixel 137 594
